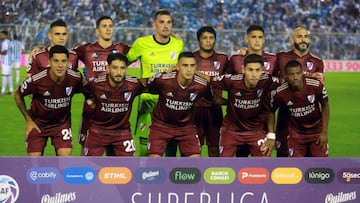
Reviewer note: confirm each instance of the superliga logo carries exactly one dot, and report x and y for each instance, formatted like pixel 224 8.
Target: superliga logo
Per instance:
pixel 9 189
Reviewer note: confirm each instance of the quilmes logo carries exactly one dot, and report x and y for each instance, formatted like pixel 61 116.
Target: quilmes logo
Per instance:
pixel 219 175
pixel 79 175
pixel 349 175
pixel 150 175
pixel 253 175
pixel 59 197
pixel 185 175
pixel 9 189
pixel 286 175
pixel 319 175
pixel 340 197
pixel 42 175
pixel 115 175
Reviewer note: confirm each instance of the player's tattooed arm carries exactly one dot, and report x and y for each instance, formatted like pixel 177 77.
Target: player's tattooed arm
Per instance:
pixel 269 143
pixel 323 138
pixel 30 124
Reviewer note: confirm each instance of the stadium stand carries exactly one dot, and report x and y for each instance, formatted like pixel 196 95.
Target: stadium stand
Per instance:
pixel 335 24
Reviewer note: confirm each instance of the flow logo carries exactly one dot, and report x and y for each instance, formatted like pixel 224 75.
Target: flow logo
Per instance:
pixel 9 189
pixel 150 175
pixel 185 175
pixel 319 175
pixel 42 175
pixel 79 175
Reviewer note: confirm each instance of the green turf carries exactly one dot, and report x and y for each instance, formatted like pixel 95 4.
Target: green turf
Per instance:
pixel 343 127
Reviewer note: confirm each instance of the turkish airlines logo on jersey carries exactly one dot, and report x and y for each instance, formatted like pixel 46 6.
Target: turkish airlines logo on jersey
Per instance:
pixel 259 92
pixel 311 98
pixel 127 96
pixel 68 91
pixel 193 96
pixel 217 65
pixel 309 65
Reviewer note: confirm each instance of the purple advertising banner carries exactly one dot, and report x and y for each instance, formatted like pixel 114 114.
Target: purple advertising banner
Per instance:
pixel 179 180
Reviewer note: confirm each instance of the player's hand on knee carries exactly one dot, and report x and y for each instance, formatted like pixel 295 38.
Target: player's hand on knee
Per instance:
pixel 269 144
pixel 322 140
pixel 30 125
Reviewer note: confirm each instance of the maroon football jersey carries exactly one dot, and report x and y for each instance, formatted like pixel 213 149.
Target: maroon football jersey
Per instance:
pixel 175 104
pixel 95 56
pixel 40 61
pixel 310 63
pixel 245 105
pixel 211 66
pixel 51 102
pixel 113 105
pixel 302 107
pixel 236 63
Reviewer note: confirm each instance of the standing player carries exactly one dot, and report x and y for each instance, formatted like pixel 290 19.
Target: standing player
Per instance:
pixel 247 98
pixel 157 53
pixel 49 114
pixel 306 103
pixel 6 71
pixel 208 115
pixel 112 95
pixel 172 115
pixel 17 49
pixel 57 35
pixel 94 56
pixel 255 40
pixel 311 65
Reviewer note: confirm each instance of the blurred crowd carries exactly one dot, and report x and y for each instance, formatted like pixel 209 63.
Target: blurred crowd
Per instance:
pixel 335 23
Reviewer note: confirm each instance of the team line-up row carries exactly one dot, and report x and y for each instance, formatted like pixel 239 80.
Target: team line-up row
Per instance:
pixel 184 104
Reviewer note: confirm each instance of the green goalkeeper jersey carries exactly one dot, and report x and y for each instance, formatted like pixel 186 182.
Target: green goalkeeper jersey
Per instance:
pixel 155 57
